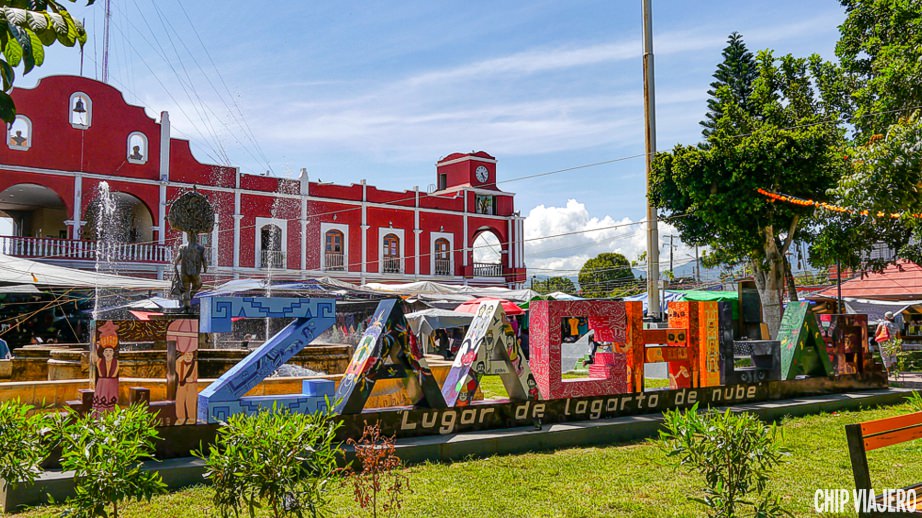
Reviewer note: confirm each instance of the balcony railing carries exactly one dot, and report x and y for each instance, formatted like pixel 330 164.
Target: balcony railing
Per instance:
pixel 443 266
pixel 392 265
pixel 488 270
pixel 51 248
pixel 333 261
pixel 272 259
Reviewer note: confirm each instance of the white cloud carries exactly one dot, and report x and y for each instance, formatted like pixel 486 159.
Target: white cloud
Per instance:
pixel 565 255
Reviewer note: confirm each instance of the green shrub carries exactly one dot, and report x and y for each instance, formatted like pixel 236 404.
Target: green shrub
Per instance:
pixel 285 460
pixel 24 442
pixel 106 453
pixel 736 453
pixel 915 401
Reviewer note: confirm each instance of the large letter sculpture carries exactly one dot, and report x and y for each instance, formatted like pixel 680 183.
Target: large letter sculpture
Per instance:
pixel 620 321
pixel 803 352
pixel 386 351
pixel 489 347
pixel 225 396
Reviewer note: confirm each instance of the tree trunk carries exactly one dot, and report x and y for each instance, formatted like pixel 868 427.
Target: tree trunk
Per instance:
pixel 789 277
pixel 769 286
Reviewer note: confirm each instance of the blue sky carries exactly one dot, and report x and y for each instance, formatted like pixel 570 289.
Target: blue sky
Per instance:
pixel 382 90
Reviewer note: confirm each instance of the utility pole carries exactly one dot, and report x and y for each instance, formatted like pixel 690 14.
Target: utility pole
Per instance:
pixel 671 249
pixel 697 267
pixel 649 108
pixel 105 43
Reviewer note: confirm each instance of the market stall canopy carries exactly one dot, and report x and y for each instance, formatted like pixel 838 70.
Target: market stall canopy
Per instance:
pixel 900 281
pixel 428 320
pixel 713 295
pixel 667 297
pixel 18 271
pixel 875 309
pixel 471 306
pixel 416 289
pixel 19 288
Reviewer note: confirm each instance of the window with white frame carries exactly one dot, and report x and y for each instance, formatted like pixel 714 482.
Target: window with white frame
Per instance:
pixel 137 148
pixel 390 250
pixel 19 134
pixel 442 244
pixel 81 110
pixel 271 243
pixel 335 243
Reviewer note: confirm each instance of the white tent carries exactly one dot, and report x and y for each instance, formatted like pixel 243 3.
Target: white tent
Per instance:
pixel 15 270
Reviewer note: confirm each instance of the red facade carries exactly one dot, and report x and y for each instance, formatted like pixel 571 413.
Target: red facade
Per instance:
pixel 72 133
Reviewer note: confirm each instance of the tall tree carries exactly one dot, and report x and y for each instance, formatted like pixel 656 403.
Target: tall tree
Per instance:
pixel 777 141
pixel 28 27
pixel 552 284
pixel 880 48
pixel 603 273
pixel 880 52
pixel 736 73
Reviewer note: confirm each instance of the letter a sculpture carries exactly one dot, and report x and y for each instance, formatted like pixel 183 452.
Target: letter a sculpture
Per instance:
pixel 387 351
pixel 489 347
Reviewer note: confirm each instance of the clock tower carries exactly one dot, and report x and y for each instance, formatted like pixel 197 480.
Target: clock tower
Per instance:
pixel 475 169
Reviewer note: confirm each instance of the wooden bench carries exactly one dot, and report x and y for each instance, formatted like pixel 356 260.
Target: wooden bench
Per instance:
pixel 870 435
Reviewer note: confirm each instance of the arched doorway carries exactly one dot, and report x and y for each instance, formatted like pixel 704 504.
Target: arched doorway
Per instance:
pixel 122 218
pixel 488 254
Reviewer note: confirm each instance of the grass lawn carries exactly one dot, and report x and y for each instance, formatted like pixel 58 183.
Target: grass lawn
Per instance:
pixel 624 480
pixel 492 386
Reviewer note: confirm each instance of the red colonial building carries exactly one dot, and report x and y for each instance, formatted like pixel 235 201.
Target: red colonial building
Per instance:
pixel 73 133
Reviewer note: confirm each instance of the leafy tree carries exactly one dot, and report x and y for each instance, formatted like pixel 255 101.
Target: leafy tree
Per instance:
pixel 603 273
pixel 880 51
pixel 736 73
pixel 779 142
pixel 880 48
pixel 29 27
pixel 552 284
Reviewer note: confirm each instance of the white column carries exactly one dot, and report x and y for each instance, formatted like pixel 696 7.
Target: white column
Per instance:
pixel 510 241
pixel 237 217
pixel 364 231
pixel 165 140
pixel 521 238
pixel 77 215
pixel 305 192
pixel 466 250
pixel 416 232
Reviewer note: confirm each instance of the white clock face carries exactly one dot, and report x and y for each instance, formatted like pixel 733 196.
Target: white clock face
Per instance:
pixel 482 173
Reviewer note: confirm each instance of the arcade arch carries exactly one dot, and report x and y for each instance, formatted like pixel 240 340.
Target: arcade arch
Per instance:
pixel 31 210
pixel 128 221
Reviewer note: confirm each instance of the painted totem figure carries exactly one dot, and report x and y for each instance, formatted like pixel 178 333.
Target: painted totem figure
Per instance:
pixel 105 393
pixel 184 336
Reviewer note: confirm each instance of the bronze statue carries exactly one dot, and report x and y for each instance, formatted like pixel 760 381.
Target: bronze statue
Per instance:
pixel 193 214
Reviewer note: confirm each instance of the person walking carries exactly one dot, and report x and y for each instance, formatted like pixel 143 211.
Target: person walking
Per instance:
pixel 887 331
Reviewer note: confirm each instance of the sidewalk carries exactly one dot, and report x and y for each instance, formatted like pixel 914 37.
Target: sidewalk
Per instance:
pixel 911 380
